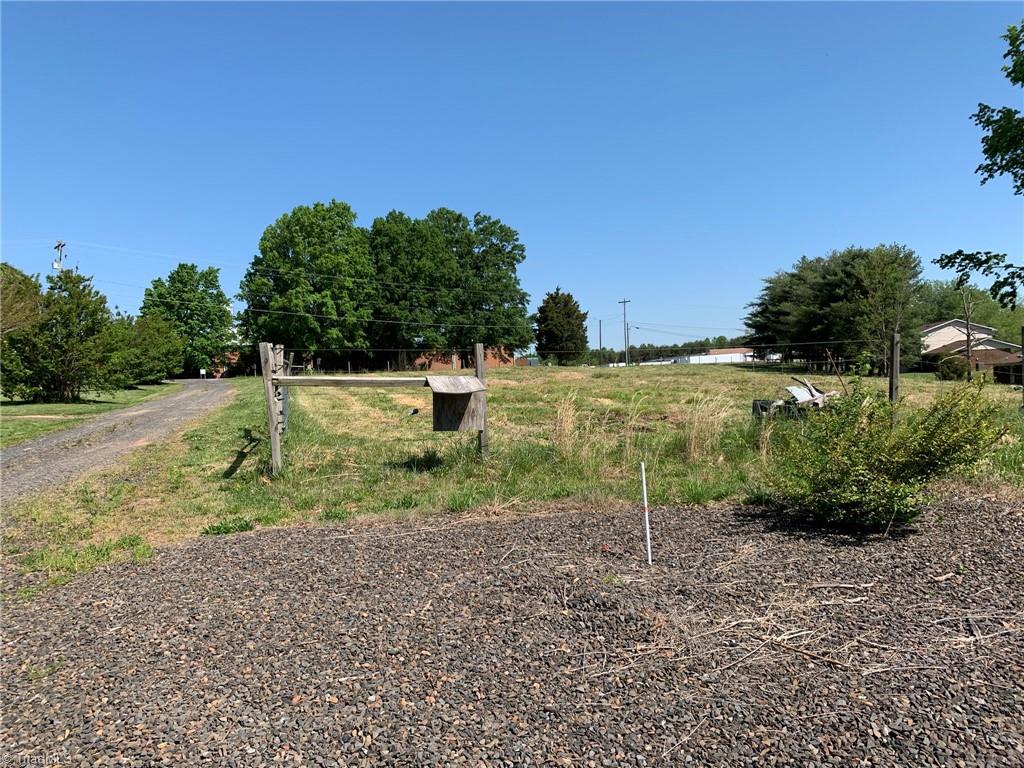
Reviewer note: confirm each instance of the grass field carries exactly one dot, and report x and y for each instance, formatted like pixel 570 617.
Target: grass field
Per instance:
pixel 557 436
pixel 23 421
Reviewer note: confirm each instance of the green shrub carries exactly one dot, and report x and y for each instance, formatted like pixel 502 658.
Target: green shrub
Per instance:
pixel 952 369
pixel 864 463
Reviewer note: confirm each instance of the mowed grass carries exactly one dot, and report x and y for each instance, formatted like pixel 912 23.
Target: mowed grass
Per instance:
pixel 557 436
pixel 23 421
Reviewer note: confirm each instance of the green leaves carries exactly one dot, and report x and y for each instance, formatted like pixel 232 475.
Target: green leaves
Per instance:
pixel 320 283
pixel 864 463
pixel 1003 142
pixel 192 303
pixel 561 327
pixel 854 294
pixel 60 354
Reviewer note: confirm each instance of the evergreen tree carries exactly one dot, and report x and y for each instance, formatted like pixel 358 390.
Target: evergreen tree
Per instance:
pixel 62 354
pixel 561 327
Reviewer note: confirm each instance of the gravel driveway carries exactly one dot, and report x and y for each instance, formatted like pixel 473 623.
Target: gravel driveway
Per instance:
pixel 59 457
pixel 541 640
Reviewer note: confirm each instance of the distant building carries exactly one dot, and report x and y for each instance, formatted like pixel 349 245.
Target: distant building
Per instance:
pixel 940 341
pixel 723 355
pixel 442 360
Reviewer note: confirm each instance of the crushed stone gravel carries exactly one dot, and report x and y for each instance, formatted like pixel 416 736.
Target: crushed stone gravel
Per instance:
pixel 536 640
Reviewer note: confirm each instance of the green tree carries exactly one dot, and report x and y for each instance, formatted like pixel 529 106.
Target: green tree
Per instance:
pixel 145 350
pixel 311 285
pixel 888 300
pixel 561 327
pixel 1003 142
pixel 417 284
pixel 489 304
pixel 191 302
pixel 21 300
pixel 830 303
pixel 1003 147
pixel 942 300
pixel 60 356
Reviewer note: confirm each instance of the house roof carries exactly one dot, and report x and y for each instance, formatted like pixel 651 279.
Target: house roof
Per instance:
pixel 978 346
pixel 974 326
pixel 730 351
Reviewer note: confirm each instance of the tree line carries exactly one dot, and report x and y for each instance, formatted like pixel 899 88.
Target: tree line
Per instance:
pixel 322 285
pixel 849 303
pixel 58 343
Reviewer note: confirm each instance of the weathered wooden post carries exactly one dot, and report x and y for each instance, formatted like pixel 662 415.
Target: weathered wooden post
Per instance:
pixel 271 361
pixel 481 373
pixel 894 370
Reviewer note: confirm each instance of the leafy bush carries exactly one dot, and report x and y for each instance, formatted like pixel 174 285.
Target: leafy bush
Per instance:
pixel 952 369
pixel 863 462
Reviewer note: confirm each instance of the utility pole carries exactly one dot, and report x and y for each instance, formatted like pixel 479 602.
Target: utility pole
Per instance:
pixel 600 343
pixel 625 328
pixel 58 263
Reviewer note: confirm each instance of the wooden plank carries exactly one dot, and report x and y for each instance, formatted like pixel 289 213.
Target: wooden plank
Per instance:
pixel 454 384
pixel 349 381
pixel 481 397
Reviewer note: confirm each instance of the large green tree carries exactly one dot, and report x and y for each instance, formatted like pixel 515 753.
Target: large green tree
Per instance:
pixel 21 300
pixel 191 301
pixel 844 303
pixel 561 327
pixel 489 304
pixel 888 299
pixel 312 284
pixel 62 354
pixel 1003 147
pixel 417 281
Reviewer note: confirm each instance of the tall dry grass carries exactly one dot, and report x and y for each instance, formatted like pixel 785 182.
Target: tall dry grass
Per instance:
pixel 701 425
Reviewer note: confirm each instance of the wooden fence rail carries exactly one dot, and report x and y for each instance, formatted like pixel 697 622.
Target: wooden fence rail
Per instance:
pixel 459 402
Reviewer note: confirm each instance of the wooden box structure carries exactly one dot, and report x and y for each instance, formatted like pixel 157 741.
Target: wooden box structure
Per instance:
pixel 459 402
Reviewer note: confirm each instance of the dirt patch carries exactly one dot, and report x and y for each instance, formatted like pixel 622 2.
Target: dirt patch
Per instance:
pixel 421 401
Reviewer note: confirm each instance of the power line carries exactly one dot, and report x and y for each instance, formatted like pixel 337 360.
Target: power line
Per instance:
pixel 356 318
pixel 292 271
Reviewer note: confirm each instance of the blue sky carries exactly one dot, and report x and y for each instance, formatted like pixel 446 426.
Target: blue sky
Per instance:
pixel 674 154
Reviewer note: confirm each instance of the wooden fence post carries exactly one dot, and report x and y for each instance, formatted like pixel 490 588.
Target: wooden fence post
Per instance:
pixel 269 364
pixel 894 370
pixel 481 373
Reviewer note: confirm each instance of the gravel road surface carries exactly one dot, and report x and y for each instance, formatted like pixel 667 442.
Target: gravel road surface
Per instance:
pixel 539 640
pixel 59 457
